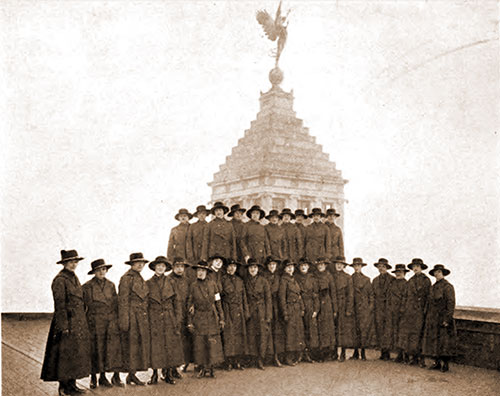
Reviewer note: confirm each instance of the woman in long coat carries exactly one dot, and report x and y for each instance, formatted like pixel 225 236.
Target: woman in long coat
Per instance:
pixel 261 312
pixel 293 246
pixel 219 238
pixel 309 292
pixel 194 237
pixel 67 354
pixel 178 236
pixel 440 334
pixel 133 319
pixel 101 302
pixel 412 325
pixel 165 314
pixel 317 238
pixel 364 336
pixel 276 345
pixel 292 306
pixel 327 293
pixel 345 307
pixel 236 313
pixel 255 238
pixel 276 235
pixel 205 321
pixel 396 301
pixel 381 285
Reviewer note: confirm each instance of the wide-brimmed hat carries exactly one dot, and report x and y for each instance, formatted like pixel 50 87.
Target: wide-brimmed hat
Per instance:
pixel 180 260
pixel 285 263
pixel 300 212
pixel 202 264
pixel 270 259
pixel 255 207
pixel 272 213
pixel 305 260
pixel 160 260
pixel 68 255
pixel 383 261
pixel 417 261
pixel 400 267
pixel 252 261
pixel 440 267
pixel 136 257
pixel 316 211
pixel 236 208
pixel 201 208
pixel 183 211
pixel 219 205
pixel 323 260
pixel 232 261
pixel 340 259
pixel 357 261
pixel 332 211
pixel 97 264
pixel 289 212
pixel 217 256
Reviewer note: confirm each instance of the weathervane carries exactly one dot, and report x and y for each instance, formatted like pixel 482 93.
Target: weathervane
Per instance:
pixel 274 29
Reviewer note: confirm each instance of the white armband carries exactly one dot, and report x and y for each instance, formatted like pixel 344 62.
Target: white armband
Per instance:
pixel 217 297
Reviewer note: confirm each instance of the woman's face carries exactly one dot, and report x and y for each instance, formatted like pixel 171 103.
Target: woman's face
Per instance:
pixel 138 266
pixel 101 273
pixel 219 212
pixel 400 274
pixel 289 269
pixel 217 263
pixel 178 269
pixel 382 268
pixel 274 220
pixel 357 267
pixel 255 215
pixel 272 267
pixel 304 268
pixel 231 269
pixel 321 267
pixel 316 218
pixel 71 265
pixel 160 269
pixel 339 266
pixel 286 218
pixel 201 273
pixel 417 269
pixel 253 270
pixel 438 274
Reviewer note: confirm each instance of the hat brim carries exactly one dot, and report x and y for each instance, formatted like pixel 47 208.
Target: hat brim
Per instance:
pixel 444 271
pixel 402 270
pixel 423 266
pixel 212 258
pixel 292 216
pixel 196 266
pixel 92 271
pixel 362 264
pixel 279 216
pixel 388 266
pixel 70 259
pixel 130 262
pixel 225 208
pixel 311 215
pixel 231 213
pixel 258 264
pixel 189 215
pixel 185 263
pixel 152 265
pixel 249 213
pixel 195 214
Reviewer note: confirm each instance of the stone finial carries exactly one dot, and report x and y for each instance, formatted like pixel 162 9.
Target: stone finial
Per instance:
pixel 276 76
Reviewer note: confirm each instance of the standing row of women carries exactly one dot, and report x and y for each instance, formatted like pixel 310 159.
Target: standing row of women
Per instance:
pixel 281 311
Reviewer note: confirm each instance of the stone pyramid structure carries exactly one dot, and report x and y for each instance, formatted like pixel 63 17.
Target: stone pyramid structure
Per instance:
pixel 277 163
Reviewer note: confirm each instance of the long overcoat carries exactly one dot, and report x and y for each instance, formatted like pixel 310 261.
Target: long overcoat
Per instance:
pixel 277 240
pixel 204 300
pixel 277 330
pixel 261 312
pixel 256 241
pixel 177 242
pixel 165 313
pixel 317 241
pixel 381 285
pixel 336 240
pixel 301 228
pixel 219 238
pixel 101 302
pixel 309 292
pixel 396 298
pixel 292 307
pixel 345 309
pixel 440 340
pixel 412 326
pixel 327 293
pixel 181 287
pixel 236 313
pixel 134 321
pixel 67 356
pixel 293 246
pixel 240 234
pixel 364 304
pixel 194 241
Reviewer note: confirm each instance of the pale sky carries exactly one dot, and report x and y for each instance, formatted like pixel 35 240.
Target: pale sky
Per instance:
pixel 116 114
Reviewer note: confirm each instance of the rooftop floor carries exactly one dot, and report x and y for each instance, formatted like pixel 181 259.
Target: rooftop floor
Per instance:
pixel 23 345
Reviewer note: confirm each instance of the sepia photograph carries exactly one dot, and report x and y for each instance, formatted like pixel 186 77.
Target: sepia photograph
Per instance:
pixel 240 198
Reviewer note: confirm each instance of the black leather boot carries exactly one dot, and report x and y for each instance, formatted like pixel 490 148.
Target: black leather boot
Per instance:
pixel 73 389
pixel 201 372
pixel 355 355
pixel 103 381
pixel 436 365
pixel 63 389
pixel 421 361
pixel 154 378
pixel 176 374
pixel 260 364
pixel 276 361
pixel 132 379
pixel 342 355
pixel 169 378
pixel 116 381
pixel 211 372
pixel 399 358
pixel 93 381
pixel 363 355
pixel 444 367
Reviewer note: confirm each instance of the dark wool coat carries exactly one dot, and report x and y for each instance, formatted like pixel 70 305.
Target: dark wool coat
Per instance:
pixel 194 241
pixel 256 241
pixel 293 246
pixel 327 293
pixel 301 228
pixel 277 331
pixel 364 304
pixel 240 233
pixel 440 340
pixel 181 288
pixel 236 313
pixel 204 299
pixel 309 292
pixel 177 242
pixel 67 356
pixel 277 241
pixel 346 327
pixel 396 297
pixel 336 240
pixel 216 277
pixel 134 321
pixel 317 241
pixel 261 312
pixel 165 314
pixel 292 307
pixel 101 302
pixel 219 238
pixel 382 318
pixel 412 326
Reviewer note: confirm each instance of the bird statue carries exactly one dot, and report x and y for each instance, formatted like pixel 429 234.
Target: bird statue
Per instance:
pixel 274 29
